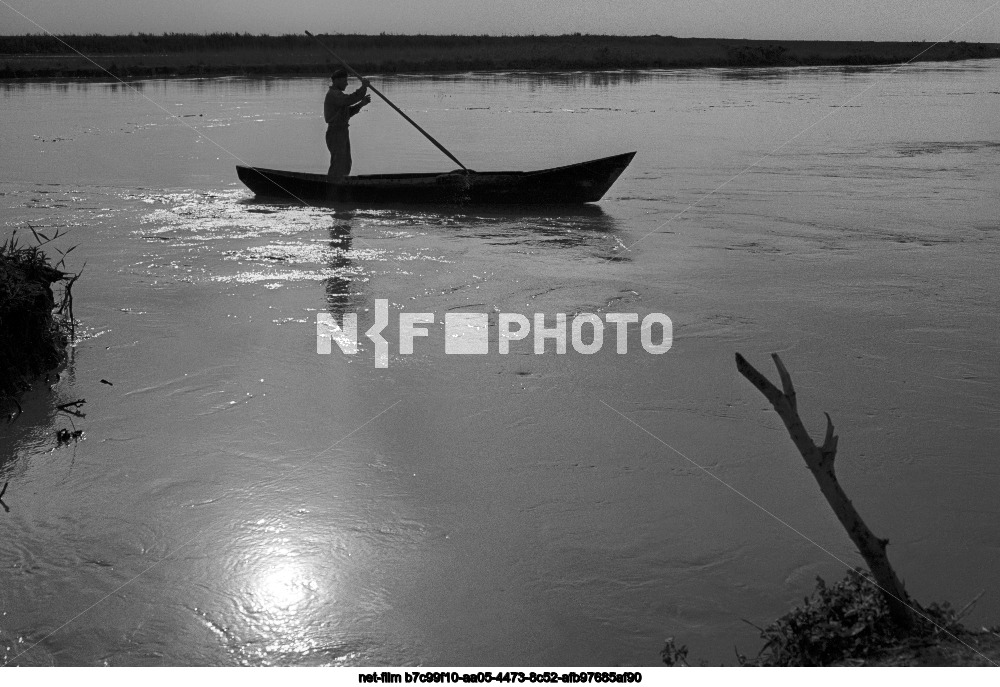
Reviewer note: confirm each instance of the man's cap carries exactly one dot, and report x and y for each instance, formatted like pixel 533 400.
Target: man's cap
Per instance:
pixel 339 73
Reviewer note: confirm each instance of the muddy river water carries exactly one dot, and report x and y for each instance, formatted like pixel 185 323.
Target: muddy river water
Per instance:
pixel 239 499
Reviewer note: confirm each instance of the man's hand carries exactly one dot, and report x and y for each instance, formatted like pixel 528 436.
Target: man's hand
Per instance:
pixel 365 83
pixel 364 101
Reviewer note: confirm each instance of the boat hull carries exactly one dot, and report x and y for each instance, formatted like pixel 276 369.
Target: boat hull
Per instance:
pixel 584 182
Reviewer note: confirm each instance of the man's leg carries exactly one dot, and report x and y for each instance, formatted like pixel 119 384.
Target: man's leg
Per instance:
pixel 347 153
pixel 339 144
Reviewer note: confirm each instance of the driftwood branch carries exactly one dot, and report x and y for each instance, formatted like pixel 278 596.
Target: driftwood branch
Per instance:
pixel 73 407
pixel 820 461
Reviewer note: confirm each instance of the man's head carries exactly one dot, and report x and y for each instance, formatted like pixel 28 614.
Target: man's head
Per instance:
pixel 339 78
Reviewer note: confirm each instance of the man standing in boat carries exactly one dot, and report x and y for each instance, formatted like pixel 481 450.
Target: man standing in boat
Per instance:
pixel 338 108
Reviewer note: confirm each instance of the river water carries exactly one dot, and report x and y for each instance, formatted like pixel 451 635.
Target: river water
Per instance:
pixel 238 499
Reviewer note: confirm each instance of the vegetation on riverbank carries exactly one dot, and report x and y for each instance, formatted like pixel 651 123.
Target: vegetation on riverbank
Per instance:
pixel 849 624
pixel 147 55
pixel 33 331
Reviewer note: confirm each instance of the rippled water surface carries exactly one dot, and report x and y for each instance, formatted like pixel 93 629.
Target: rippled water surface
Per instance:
pixel 237 498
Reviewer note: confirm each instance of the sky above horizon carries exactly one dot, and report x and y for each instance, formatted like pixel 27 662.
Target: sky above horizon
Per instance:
pixel 904 20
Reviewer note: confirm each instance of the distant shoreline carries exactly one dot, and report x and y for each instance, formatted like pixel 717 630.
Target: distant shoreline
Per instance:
pixel 156 56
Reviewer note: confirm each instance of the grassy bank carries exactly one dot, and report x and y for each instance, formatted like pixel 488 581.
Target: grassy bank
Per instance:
pixel 32 337
pixel 849 624
pixel 146 55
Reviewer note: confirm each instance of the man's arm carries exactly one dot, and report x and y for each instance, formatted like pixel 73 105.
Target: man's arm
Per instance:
pixel 357 108
pixel 360 94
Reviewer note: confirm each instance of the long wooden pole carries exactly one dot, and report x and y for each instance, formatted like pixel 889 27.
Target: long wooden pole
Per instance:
pixel 390 103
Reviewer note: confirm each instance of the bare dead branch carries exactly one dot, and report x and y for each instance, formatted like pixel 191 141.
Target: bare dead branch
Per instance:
pixel 786 381
pixel 820 461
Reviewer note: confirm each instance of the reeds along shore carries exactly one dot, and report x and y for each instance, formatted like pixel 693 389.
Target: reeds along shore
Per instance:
pixel 145 55
pixel 32 337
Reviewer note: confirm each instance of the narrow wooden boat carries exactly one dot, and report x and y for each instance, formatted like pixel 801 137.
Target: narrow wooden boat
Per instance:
pixel 584 182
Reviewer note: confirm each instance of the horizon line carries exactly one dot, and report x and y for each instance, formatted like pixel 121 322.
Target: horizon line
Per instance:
pixel 575 34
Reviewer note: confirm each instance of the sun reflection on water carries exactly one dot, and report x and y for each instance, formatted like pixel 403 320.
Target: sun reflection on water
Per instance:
pixel 280 599
pixel 284 586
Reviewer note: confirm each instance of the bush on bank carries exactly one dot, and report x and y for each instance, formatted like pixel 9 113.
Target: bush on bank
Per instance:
pixel 848 624
pixel 33 334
